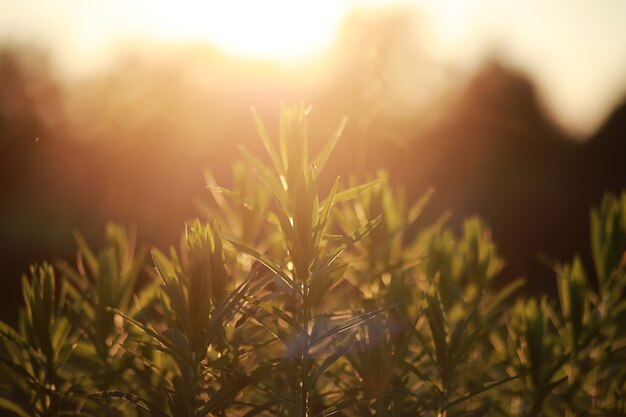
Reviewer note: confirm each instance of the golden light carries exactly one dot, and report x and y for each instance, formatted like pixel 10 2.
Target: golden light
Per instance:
pixel 269 29
pixel 536 38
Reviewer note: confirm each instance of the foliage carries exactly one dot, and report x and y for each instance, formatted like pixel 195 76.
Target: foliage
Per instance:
pixel 291 301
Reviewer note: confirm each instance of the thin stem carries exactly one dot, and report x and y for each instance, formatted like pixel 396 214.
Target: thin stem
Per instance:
pixel 443 402
pixel 304 357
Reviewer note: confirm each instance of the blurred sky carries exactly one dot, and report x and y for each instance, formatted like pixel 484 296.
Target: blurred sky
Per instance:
pixel 574 50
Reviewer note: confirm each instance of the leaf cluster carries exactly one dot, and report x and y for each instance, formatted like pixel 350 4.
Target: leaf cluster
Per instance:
pixel 293 300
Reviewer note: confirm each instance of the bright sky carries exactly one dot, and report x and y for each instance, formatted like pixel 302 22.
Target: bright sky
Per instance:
pixel 575 50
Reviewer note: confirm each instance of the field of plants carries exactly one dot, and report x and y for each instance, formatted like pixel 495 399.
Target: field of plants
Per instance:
pixel 290 302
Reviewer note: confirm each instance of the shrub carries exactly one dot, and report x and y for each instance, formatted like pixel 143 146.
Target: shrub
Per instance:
pixel 292 302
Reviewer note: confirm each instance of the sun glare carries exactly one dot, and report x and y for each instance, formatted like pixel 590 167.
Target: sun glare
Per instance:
pixel 273 29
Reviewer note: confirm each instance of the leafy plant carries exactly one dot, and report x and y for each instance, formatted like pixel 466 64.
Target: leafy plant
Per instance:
pixel 37 352
pixel 295 300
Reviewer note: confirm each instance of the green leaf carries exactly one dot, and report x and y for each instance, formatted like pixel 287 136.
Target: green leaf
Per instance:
pixel 347 242
pixel 223 396
pixel 437 326
pixel 320 228
pixel 143 404
pixel 23 373
pixel 480 390
pixel 350 323
pixel 417 208
pixel 86 253
pixel 322 157
pixel 171 348
pixel 501 296
pixel 322 283
pixel 277 312
pixel 265 138
pixel 354 192
pixel 354 401
pixel 330 360
pixel 257 383
pixel 415 370
pixel 265 261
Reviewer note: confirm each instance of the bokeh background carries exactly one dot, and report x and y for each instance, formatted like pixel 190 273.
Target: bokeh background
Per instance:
pixel 110 111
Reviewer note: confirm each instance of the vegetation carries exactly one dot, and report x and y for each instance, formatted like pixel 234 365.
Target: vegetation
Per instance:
pixel 288 302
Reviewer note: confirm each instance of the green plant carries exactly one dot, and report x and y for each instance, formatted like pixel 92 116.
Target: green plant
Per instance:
pixel 36 354
pixel 290 300
pixel 307 262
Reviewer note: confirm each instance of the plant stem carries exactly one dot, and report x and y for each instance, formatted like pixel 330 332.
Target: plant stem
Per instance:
pixel 304 357
pixel 443 400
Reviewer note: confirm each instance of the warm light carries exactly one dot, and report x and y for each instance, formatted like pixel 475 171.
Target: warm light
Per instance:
pixel 572 51
pixel 85 35
pixel 274 29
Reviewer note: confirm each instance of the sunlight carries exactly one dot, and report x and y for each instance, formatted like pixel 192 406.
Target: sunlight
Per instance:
pixel 542 40
pixel 274 29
